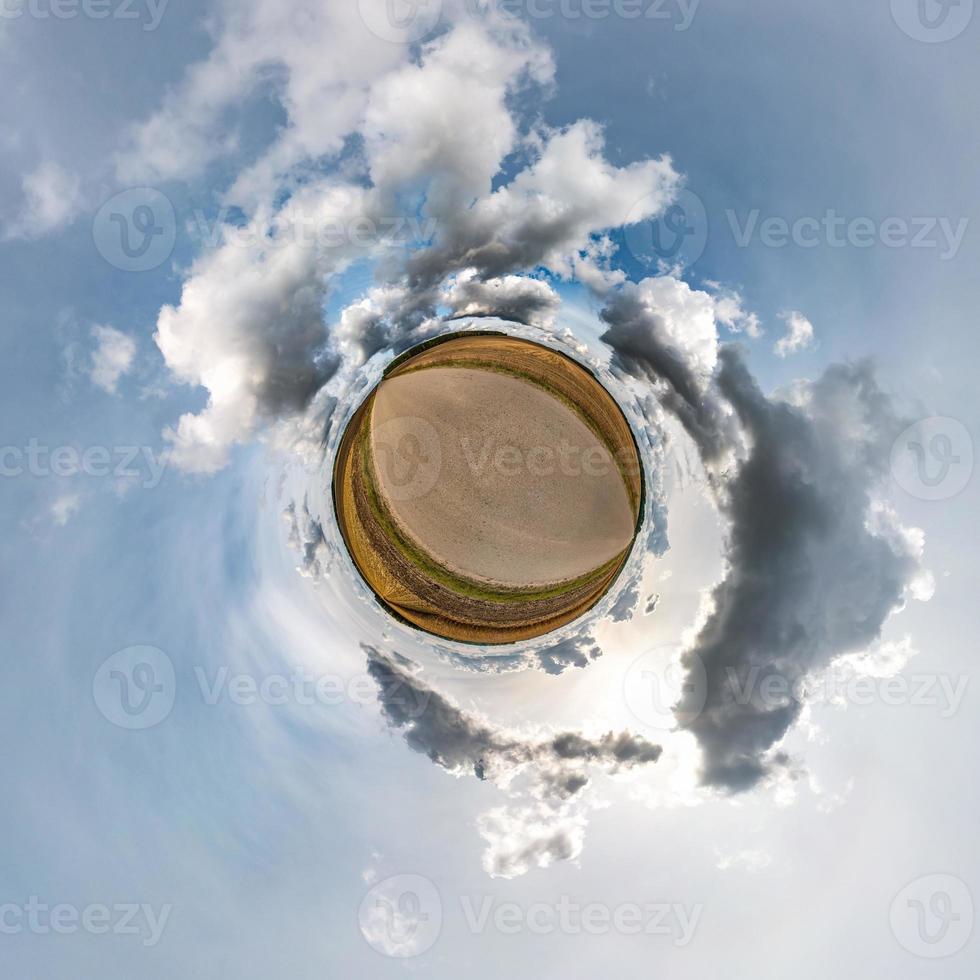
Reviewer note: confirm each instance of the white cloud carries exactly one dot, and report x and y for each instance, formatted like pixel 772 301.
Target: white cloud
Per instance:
pixel 730 312
pixel 112 358
pixel 249 326
pixel 52 199
pixel 547 214
pixel 686 319
pixel 751 859
pixel 519 838
pixel 799 334
pixel 64 507
pixel 511 297
pixel 318 59
pixel 446 121
pixel 306 537
pixel 662 330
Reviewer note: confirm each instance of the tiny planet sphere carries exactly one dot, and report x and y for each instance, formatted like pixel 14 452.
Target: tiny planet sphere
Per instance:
pixel 488 489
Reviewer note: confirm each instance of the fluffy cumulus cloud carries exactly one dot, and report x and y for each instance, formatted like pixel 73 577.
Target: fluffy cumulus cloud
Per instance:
pixel 521 838
pixel 626 602
pixel 250 329
pixel 547 214
pixel 112 358
pixel 578 650
pixel 52 199
pixel 664 330
pixel 730 311
pixel 662 317
pixel 317 59
pixel 521 298
pixel 799 334
pixel 64 507
pixel 445 122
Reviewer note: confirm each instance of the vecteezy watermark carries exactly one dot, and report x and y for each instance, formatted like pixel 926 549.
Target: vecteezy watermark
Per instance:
pixel 64 919
pixel 409 454
pixel 674 920
pixel 121 462
pixel 293 227
pixel 932 916
pixel 678 13
pixel 834 230
pixel 676 237
pixel 841 685
pixel 307 689
pixel 136 229
pixel 400 21
pixel 401 916
pixel 932 21
pixel 665 690
pixel 565 459
pixel 136 687
pixel 933 458
pixel 148 12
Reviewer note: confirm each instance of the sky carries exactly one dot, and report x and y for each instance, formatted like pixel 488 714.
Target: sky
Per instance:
pixel 754 222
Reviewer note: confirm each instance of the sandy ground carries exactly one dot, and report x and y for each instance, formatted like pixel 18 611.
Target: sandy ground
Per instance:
pixel 496 478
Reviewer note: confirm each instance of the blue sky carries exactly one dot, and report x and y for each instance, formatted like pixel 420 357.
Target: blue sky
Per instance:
pixel 261 827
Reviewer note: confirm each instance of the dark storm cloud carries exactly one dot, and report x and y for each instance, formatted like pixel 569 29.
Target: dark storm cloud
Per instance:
pixel 641 348
pixel 461 742
pixel 808 579
pixel 622 748
pixel 542 824
pixel 520 298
